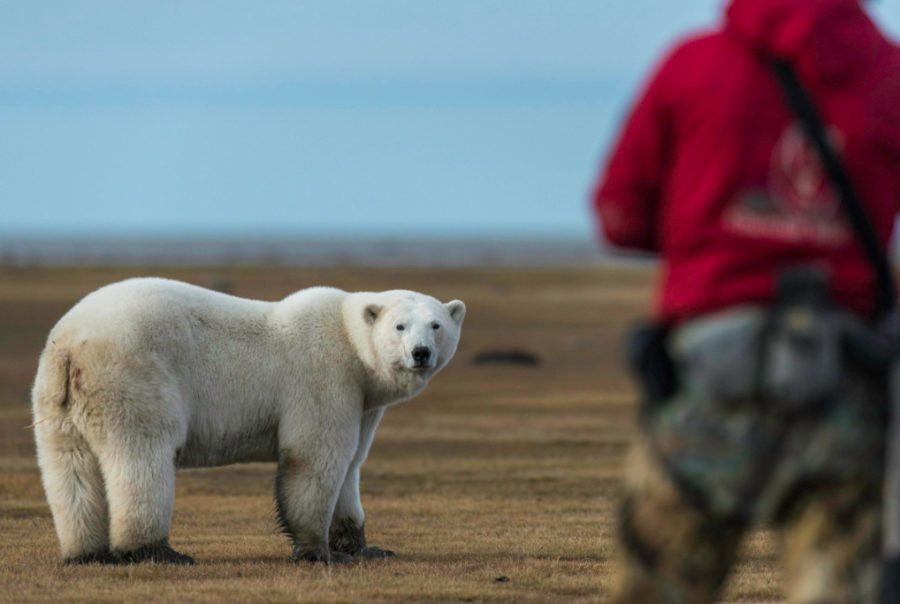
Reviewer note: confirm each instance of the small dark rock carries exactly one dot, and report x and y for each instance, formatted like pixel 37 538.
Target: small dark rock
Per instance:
pixel 520 358
pixel 220 284
pixel 501 579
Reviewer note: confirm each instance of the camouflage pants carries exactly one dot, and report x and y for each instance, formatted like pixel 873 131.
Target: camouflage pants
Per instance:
pixel 706 470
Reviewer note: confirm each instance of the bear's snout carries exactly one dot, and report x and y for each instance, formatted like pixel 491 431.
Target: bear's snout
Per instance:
pixel 422 356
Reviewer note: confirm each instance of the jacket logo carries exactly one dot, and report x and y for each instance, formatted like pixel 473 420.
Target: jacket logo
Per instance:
pixel 797 204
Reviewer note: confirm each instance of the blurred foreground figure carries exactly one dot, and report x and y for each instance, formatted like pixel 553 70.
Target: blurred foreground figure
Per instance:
pixel 755 408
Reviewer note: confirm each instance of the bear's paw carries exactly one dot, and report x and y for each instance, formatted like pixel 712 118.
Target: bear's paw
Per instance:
pixel 376 552
pixel 318 555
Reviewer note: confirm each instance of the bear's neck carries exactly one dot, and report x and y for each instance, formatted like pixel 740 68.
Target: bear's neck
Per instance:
pixel 382 390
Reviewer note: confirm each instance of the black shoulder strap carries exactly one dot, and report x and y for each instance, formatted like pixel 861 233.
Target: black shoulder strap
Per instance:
pixel 806 112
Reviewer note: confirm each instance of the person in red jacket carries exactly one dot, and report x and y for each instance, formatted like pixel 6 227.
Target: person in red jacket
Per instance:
pixel 713 171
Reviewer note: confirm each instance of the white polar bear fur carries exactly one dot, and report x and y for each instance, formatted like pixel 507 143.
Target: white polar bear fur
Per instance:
pixel 147 375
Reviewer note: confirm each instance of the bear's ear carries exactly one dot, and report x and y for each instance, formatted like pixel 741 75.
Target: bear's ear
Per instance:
pixel 371 312
pixel 457 310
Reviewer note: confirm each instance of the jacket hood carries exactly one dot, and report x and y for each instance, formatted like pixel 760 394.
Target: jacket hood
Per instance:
pixel 828 41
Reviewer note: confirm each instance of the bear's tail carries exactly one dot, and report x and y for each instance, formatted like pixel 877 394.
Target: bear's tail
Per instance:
pixel 50 394
pixel 70 471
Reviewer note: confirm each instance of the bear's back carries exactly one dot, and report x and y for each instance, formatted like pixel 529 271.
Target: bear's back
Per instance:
pixel 153 307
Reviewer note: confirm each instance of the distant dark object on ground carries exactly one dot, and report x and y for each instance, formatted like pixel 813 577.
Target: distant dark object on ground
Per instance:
pixel 521 358
pixel 221 284
pixel 501 579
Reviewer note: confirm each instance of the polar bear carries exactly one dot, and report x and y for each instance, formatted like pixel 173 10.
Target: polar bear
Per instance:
pixel 146 375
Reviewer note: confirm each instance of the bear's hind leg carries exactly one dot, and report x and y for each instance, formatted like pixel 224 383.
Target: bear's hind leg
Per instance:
pixel 140 482
pixel 73 482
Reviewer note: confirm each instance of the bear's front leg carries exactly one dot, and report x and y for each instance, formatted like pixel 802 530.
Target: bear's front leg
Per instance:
pixel 348 534
pixel 306 489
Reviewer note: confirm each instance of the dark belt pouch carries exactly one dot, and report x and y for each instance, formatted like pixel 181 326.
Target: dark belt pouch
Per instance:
pixel 647 357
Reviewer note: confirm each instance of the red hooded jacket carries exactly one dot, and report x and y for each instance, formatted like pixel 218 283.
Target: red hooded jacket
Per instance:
pixel 712 171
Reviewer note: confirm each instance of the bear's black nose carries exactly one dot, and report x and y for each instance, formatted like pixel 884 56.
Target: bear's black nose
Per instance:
pixel 421 355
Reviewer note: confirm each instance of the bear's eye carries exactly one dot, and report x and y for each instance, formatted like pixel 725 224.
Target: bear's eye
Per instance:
pixel 400 327
pixel 435 326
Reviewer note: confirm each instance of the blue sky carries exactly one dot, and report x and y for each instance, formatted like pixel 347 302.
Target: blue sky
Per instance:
pixel 374 117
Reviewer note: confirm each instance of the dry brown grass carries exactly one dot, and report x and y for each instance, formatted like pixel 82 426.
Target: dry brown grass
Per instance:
pixel 492 472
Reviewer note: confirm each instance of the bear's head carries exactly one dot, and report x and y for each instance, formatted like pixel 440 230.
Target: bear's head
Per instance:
pixel 413 336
